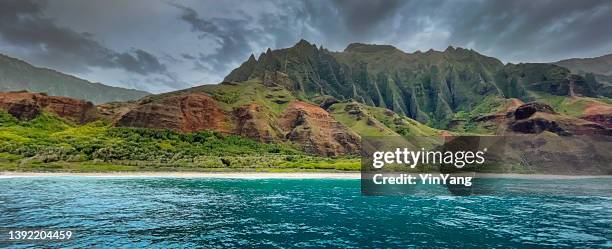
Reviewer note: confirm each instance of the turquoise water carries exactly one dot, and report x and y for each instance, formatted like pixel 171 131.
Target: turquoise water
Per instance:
pixel 188 213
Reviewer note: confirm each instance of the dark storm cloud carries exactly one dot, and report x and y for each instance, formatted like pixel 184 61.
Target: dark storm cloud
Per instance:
pixel 141 62
pixel 188 56
pixel 231 34
pixel 23 25
pixel 514 31
pixel 202 41
pixel 360 17
pixel 523 30
pixel 529 30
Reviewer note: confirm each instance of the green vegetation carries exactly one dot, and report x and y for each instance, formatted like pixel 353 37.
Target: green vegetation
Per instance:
pixel 48 143
pixel 375 121
pixel 353 116
pixel 437 88
pixel 230 95
pixel 574 106
pixel 428 87
pixel 382 92
pixel 465 121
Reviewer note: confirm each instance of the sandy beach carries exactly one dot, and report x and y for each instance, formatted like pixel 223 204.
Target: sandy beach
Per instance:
pixel 235 175
pixel 265 175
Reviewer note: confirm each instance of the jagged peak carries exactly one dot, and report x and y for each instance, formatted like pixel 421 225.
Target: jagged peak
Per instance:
pixel 305 46
pixel 368 48
pixel 252 58
pixel 261 56
pixel 303 42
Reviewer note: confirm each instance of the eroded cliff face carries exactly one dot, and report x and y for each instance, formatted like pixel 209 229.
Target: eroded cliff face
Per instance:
pixel 535 118
pixel 186 112
pixel 26 105
pixel 317 131
pixel 253 122
pixel 598 113
pixel 308 126
pixel 580 147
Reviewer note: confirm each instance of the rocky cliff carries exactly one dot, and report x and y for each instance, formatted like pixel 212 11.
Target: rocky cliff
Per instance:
pixel 317 131
pixel 25 106
pixel 258 111
pixel 537 117
pixel 186 113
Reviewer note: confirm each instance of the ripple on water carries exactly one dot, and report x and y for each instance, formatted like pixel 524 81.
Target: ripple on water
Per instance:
pixel 164 213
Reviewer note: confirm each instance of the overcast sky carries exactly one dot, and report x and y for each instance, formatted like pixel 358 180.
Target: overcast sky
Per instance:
pixel 167 45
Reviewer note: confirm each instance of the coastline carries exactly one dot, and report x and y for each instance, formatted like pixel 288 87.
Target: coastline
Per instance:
pixel 268 175
pixel 222 175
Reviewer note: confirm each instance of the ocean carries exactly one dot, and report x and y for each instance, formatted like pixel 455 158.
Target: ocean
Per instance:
pixel 299 213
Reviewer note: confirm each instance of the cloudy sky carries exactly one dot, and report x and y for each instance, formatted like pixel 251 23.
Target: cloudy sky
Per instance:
pixel 164 45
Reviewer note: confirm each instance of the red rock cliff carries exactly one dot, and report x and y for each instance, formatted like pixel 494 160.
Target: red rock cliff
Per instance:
pixel 27 105
pixel 317 131
pixel 187 112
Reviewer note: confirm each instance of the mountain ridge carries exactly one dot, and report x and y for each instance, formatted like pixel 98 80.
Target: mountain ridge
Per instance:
pixel 598 65
pixel 17 75
pixel 427 86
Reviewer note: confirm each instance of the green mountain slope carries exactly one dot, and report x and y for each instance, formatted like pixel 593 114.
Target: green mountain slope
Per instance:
pixel 597 71
pixel 429 87
pixel 17 75
pixel 598 65
pixel 375 121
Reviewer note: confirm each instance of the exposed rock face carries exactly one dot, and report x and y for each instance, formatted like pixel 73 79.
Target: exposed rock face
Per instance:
pixel 317 131
pixel 513 104
pixel 602 119
pixel 598 113
pixel 537 125
pixel 114 110
pixel 325 104
pixel 537 117
pixel 24 109
pixel 252 122
pixel 188 113
pixel 526 110
pixel 26 105
pixel 308 125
